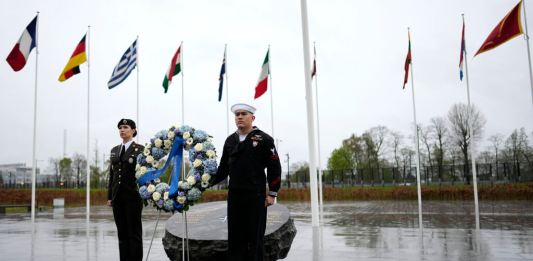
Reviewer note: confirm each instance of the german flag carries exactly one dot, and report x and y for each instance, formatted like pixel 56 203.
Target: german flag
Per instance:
pixel 73 66
pixel 508 28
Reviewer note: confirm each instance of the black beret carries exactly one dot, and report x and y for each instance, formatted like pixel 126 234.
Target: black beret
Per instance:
pixel 128 122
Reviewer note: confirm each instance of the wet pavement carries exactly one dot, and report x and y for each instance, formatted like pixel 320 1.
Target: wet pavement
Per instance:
pixel 361 230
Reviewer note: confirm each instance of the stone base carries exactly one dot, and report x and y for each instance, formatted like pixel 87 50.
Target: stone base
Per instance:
pixel 279 234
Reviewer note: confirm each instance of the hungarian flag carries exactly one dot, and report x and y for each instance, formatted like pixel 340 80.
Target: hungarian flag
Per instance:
pixel 508 28
pixel 313 71
pixel 463 52
pixel 73 66
pixel 262 83
pixel 407 61
pixel 19 55
pixel 221 76
pixel 174 69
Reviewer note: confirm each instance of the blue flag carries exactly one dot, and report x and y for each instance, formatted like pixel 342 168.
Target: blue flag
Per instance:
pixel 221 77
pixel 124 67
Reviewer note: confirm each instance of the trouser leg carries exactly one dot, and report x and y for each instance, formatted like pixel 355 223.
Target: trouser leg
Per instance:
pixel 120 216
pixel 236 226
pixel 134 211
pixel 256 226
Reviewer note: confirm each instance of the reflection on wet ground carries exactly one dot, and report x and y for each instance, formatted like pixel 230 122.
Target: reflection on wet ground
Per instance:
pixel 361 230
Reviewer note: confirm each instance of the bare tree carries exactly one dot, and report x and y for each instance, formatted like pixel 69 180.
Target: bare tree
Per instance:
pixel 54 163
pixel 496 142
pixel 440 133
pixel 426 136
pixel 463 118
pixel 396 141
pixel 79 165
pixel 375 138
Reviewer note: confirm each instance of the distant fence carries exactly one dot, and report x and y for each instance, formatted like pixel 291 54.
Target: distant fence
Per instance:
pixel 504 172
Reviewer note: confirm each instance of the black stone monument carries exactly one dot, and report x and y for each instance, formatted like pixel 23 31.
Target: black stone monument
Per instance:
pixel 207 232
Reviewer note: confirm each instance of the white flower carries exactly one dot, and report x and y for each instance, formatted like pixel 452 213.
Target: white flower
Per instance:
pixel 171 134
pixel 138 175
pixel 186 135
pixel 158 142
pixel 197 163
pixel 211 153
pixel 165 195
pixel 199 147
pixel 206 177
pixel 142 170
pixel 148 146
pixel 181 199
pixel 156 196
pixel 167 143
pixel 155 164
pixel 190 141
pixel 150 188
pixel 146 151
pixel 149 159
pixel 191 180
pixel 205 184
pixel 137 167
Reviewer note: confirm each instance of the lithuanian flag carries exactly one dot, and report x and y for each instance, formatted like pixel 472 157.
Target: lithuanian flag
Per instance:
pixel 73 66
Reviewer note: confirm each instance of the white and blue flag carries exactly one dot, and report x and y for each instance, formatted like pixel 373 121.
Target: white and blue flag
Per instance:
pixel 124 67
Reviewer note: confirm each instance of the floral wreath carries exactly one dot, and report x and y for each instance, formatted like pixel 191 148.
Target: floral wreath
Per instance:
pixel 166 149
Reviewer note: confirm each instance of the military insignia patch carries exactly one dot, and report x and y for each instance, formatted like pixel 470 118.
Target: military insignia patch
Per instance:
pixel 124 121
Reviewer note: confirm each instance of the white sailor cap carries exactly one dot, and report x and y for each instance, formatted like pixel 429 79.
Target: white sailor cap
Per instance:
pixel 242 106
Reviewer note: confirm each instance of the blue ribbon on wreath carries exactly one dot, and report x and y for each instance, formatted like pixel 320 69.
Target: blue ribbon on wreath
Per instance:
pixel 175 157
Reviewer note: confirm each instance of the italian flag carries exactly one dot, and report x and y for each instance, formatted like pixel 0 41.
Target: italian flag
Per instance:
pixel 262 83
pixel 174 69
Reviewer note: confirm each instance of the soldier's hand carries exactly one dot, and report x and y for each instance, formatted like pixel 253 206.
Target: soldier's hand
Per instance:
pixel 109 203
pixel 269 201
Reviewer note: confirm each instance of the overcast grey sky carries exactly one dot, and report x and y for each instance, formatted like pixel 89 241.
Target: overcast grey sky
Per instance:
pixel 361 48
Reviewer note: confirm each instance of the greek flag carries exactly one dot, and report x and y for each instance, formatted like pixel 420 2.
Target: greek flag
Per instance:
pixel 124 67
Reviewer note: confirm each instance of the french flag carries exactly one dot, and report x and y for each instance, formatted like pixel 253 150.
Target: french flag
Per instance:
pixel 19 55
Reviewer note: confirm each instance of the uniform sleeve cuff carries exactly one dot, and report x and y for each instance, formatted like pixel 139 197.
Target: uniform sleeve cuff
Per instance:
pixel 273 193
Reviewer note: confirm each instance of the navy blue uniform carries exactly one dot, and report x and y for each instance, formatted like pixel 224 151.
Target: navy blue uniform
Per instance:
pixel 127 203
pixel 245 163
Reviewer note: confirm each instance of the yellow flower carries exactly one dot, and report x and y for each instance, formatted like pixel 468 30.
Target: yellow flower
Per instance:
pixel 146 151
pixel 158 143
pixel 150 188
pixel 181 199
pixel 206 177
pixel 191 180
pixel 156 196
pixel 167 143
pixel 165 195
pixel 186 135
pixel 199 147
pixel 210 153
pixel 149 159
pixel 171 134
pixel 197 163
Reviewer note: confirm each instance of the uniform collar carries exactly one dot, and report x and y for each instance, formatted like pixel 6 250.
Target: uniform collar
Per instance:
pixel 127 145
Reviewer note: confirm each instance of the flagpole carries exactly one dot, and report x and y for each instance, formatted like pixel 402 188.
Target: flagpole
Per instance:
pixel 320 192
pixel 418 189
pixel 34 161
pixel 88 182
pixel 528 51
pixel 227 86
pixel 182 87
pixel 470 131
pixel 137 67
pixel 315 220
pixel 271 99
